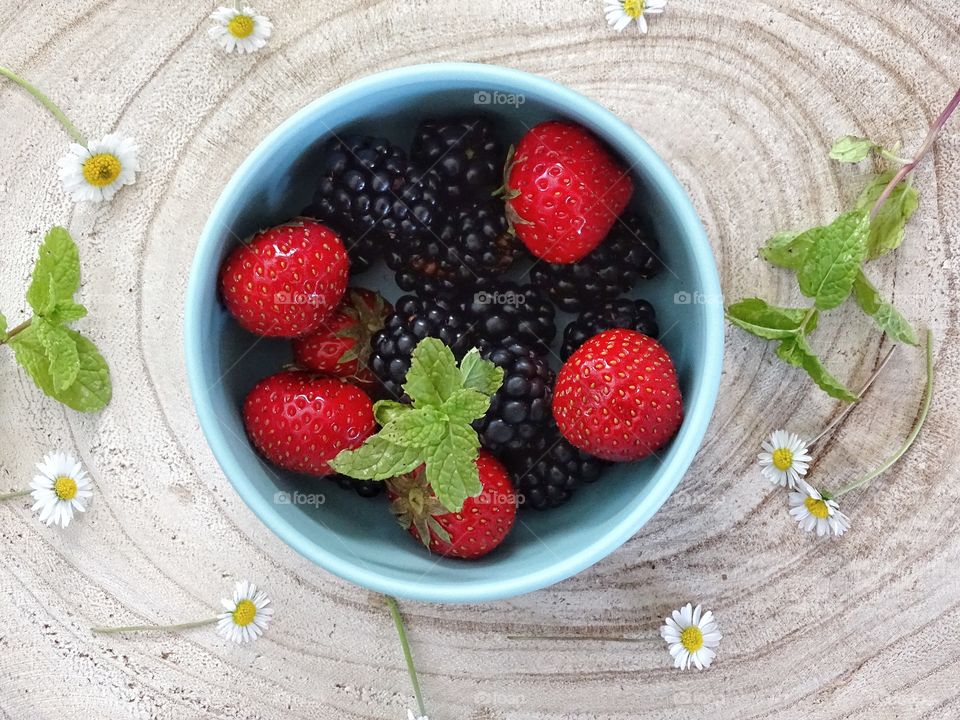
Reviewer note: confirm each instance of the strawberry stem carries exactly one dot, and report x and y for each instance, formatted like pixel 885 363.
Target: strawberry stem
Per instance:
pixel 407 655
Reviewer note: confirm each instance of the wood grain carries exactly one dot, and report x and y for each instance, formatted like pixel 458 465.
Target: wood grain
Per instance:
pixel 742 100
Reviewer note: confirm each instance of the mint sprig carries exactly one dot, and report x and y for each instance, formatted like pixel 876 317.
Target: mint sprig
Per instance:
pixel 829 260
pixel 63 363
pixel 435 430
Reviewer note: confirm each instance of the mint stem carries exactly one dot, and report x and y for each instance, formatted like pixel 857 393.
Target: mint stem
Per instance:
pixel 154 628
pixel 17 330
pixel 924 149
pixel 407 655
pixel 14 494
pixel 918 424
pixel 47 103
pixel 863 391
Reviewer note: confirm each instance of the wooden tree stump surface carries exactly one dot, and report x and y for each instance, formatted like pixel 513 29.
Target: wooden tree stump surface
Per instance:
pixel 742 100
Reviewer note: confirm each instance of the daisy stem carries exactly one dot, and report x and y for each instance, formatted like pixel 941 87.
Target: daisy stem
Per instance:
pixel 153 628
pixel 909 167
pixel 47 103
pixel 863 391
pixel 917 425
pixel 17 330
pixel 14 494
pixel 407 655
pixel 602 638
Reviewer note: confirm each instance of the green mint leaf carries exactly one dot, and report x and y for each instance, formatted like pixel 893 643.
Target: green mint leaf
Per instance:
pixel 376 459
pixel 89 392
pixel 3 328
pixel 852 149
pixel 452 467
pixel 386 411
pixel 61 350
pixel 833 259
pixel 885 315
pixel 769 321
pixel 56 275
pixel 421 428
pixel 479 374
pixel 797 352
pixel 887 228
pixel 465 406
pixel 433 374
pixel 65 312
pixel 786 249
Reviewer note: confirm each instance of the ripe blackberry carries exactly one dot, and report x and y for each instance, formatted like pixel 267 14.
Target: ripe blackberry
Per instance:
pixel 371 195
pixel 549 469
pixel 466 154
pixel 502 313
pixel 471 244
pixel 520 409
pixel 412 320
pixel 363 488
pixel 623 313
pixel 628 253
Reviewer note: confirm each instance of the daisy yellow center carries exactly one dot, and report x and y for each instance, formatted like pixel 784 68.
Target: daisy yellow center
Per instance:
pixel 782 459
pixel 692 638
pixel 101 169
pixel 817 508
pixel 240 26
pixel 244 613
pixel 65 487
pixel 633 8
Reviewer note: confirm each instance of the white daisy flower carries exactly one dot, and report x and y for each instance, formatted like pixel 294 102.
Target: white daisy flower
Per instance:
pixel 785 458
pixel 245 30
pixel 59 489
pixel 413 716
pixel 247 615
pixel 621 13
pixel 691 636
pixel 815 511
pixel 97 171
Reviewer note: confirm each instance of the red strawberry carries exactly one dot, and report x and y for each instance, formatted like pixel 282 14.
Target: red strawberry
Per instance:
pixel 341 347
pixel 479 527
pixel 617 396
pixel 564 191
pixel 287 280
pixel 300 421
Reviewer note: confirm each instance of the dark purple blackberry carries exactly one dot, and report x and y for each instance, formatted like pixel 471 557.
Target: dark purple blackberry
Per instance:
pixel 623 313
pixel 471 244
pixel 627 254
pixel 412 320
pixel 369 193
pixel 502 312
pixel 520 409
pixel 363 488
pixel 466 154
pixel 549 469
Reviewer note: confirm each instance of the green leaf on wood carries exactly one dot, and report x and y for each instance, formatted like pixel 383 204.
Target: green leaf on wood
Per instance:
pixel 56 275
pixel 831 263
pixel 769 321
pixel 887 228
pixel 885 315
pixel 797 352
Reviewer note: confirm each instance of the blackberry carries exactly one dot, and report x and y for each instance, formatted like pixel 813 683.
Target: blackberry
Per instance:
pixel 471 244
pixel 520 409
pixel 501 312
pixel 628 253
pixel 466 154
pixel 623 313
pixel 548 470
pixel 371 194
pixel 412 320
pixel 363 488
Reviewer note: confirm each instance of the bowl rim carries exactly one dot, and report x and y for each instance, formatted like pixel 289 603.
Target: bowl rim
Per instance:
pixel 706 379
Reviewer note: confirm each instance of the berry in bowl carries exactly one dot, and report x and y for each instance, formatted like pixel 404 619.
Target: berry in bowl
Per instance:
pixel 470 340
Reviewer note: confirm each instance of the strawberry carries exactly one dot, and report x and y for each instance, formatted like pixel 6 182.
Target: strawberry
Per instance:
pixel 479 527
pixel 341 347
pixel 300 421
pixel 564 191
pixel 617 396
pixel 285 281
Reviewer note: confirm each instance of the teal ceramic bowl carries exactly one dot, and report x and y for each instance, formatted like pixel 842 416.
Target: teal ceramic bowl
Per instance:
pixel 357 538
